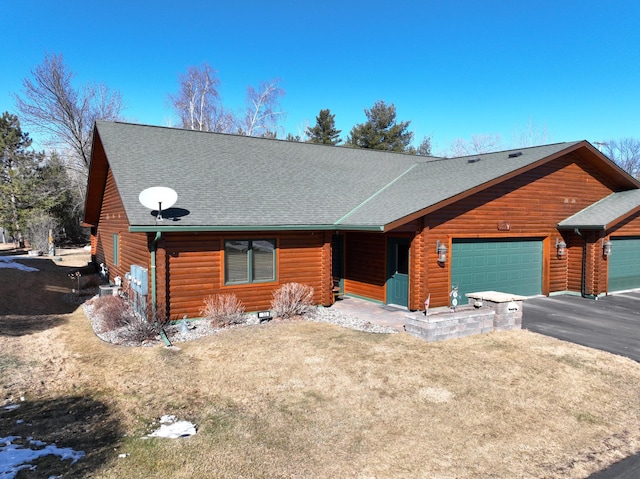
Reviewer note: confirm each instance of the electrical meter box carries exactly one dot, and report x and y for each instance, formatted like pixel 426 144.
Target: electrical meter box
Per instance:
pixel 139 280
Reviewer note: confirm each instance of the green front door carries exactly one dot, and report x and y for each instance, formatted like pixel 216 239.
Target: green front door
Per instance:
pixel 624 264
pixel 398 271
pixel 506 265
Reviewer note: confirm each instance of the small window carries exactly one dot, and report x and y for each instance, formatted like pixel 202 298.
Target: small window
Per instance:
pixel 116 251
pixel 249 261
pixel 402 259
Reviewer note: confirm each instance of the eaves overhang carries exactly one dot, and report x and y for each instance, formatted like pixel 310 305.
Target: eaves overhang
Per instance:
pixel 581 227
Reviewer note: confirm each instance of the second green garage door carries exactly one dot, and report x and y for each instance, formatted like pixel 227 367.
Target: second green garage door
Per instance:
pixel 624 264
pixel 506 265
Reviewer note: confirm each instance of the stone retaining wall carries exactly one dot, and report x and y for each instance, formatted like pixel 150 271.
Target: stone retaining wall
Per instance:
pixel 487 311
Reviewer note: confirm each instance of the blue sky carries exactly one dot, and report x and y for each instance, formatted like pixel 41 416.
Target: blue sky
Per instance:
pixel 454 68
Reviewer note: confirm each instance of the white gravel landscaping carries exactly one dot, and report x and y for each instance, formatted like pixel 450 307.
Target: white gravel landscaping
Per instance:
pixel 176 332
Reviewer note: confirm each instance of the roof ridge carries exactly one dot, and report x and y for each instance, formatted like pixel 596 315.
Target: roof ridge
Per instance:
pixel 263 138
pixel 568 143
pixel 370 198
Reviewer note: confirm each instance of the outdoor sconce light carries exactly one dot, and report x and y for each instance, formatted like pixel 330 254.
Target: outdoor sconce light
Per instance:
pixel 561 247
pixel 441 249
pixel 606 247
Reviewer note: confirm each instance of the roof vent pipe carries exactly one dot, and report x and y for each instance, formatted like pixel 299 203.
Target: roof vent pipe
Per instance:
pixel 473 160
pixel 515 155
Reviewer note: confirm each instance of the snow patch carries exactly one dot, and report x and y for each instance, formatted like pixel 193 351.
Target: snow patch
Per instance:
pixel 14 457
pixel 10 263
pixel 171 428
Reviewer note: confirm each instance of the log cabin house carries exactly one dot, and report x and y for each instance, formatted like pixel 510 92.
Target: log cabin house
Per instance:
pixel 255 213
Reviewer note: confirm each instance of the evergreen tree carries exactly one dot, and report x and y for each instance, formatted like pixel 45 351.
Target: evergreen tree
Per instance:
pixel 425 147
pixel 32 188
pixel 324 132
pixel 59 199
pixel 292 137
pixel 17 167
pixel 381 131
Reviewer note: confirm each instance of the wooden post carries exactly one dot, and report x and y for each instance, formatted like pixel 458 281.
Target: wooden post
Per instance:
pixel 52 246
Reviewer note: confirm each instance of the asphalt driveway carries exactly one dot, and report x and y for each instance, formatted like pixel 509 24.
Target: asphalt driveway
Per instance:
pixel 610 323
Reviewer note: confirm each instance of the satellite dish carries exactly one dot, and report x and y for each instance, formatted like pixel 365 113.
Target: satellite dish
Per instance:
pixel 158 197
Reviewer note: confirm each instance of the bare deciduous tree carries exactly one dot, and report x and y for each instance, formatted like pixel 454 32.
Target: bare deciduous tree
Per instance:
pixel 40 227
pixel 64 113
pixel 263 109
pixel 531 136
pixel 478 144
pixel 625 152
pixel 198 101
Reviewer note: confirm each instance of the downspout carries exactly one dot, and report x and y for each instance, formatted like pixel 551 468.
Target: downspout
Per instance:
pixel 584 269
pixel 154 295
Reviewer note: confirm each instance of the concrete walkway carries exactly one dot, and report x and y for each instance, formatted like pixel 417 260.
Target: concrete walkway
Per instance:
pixel 389 316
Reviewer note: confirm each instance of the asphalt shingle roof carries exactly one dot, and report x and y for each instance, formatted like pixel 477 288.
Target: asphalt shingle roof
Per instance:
pixel 432 182
pixel 238 181
pixel 605 212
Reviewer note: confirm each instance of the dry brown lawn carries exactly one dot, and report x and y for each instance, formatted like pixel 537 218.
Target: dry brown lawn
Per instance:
pixel 307 400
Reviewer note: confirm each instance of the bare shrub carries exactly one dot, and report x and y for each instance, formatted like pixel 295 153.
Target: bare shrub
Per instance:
pixel 292 299
pixel 223 310
pixel 113 312
pixel 139 329
pixel 38 227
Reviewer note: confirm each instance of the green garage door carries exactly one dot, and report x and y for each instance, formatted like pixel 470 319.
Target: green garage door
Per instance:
pixel 624 264
pixel 505 265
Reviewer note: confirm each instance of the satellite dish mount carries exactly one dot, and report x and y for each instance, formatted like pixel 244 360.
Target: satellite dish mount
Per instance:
pixel 158 195
pixel 159 217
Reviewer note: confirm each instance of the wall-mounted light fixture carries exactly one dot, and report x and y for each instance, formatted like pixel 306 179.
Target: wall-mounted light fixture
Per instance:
pixel 441 249
pixel 606 247
pixel 561 247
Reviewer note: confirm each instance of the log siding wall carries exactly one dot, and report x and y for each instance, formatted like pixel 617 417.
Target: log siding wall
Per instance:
pixel 531 204
pixel 193 264
pixel 190 265
pixel 419 266
pixel 365 265
pixel 132 247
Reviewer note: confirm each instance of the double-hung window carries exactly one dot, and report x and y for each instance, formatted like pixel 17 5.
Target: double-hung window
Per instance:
pixel 249 261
